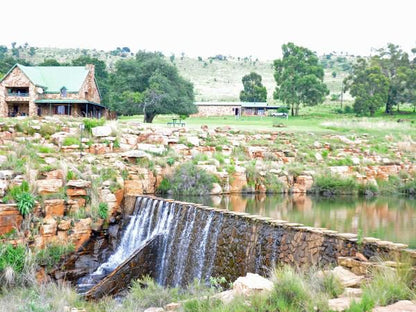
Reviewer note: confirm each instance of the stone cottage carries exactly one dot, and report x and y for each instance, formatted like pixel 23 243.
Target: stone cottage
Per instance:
pixel 50 90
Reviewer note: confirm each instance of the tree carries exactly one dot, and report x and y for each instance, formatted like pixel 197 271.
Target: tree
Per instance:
pixel 254 91
pixel 411 82
pixel 50 62
pixel 368 86
pixel 394 64
pixel 101 74
pixel 149 85
pixel 299 77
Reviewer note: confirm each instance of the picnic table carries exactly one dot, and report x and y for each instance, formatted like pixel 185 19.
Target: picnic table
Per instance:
pixel 176 122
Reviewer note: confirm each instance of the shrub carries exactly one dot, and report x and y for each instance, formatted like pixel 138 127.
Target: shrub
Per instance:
pixel 409 188
pixel 368 189
pixel 334 185
pixel 13 257
pixel 170 161
pixel 24 199
pixel 103 210
pixel 164 186
pixel 91 123
pixel 348 109
pixel 52 254
pixel 188 179
pixel 46 130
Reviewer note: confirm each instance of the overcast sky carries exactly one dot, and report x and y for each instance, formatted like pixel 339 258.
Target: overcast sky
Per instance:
pixel 206 28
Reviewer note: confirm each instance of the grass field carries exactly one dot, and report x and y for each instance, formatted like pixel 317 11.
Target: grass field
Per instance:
pixel 320 119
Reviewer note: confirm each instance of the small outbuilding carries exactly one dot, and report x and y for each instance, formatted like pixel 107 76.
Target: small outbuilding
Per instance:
pixel 233 109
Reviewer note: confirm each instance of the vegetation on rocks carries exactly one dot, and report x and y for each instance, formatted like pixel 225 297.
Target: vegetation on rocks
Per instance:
pixel 187 179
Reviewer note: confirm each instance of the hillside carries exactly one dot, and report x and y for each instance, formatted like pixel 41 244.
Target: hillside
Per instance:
pixel 216 78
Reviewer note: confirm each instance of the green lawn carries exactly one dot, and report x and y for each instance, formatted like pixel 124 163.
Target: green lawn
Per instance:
pixel 320 119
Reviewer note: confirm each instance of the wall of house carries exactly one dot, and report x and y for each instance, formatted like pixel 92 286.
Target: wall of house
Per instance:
pixel 17 79
pixel 89 89
pixel 216 110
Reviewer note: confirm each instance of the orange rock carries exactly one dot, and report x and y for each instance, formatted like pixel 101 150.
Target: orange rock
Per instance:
pixel 10 218
pixel 302 184
pixel 54 207
pixel 133 188
pixel 76 192
pixel 119 196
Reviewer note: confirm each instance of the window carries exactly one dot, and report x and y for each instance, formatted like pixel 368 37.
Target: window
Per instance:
pixel 63 92
pixel 63 110
pixel 18 91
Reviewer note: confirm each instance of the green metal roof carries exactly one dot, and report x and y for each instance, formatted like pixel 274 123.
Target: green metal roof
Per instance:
pixel 54 78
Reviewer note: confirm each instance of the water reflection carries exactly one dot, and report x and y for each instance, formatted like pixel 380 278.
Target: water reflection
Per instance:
pixel 392 219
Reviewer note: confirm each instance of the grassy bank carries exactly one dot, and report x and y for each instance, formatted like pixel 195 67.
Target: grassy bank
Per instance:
pixel 292 290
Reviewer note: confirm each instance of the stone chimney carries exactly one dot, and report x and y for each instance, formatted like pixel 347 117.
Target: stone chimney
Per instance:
pixel 91 69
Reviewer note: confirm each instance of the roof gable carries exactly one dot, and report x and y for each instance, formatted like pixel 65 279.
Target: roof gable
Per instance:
pixel 53 78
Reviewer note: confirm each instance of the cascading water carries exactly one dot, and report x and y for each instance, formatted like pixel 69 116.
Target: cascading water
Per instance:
pixel 182 249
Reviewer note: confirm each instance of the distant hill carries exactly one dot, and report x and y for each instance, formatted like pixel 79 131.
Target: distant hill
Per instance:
pixel 217 78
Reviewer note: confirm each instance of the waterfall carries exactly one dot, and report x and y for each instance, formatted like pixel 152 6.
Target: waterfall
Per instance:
pixel 181 256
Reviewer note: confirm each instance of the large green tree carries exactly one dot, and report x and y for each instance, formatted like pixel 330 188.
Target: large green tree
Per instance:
pixel 254 91
pixel 394 64
pixel 369 87
pixel 101 74
pixel 149 85
pixel 299 78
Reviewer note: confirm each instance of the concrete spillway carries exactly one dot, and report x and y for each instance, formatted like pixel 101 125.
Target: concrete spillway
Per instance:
pixel 176 242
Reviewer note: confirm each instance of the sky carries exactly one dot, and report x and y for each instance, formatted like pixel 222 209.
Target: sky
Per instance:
pixel 256 28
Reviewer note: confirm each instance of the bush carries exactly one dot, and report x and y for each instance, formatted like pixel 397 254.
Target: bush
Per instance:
pixel 46 130
pixel 409 188
pixel 188 179
pixel 103 210
pixel 91 123
pixel 13 257
pixel 52 254
pixel 24 199
pixel 334 185
pixel 348 109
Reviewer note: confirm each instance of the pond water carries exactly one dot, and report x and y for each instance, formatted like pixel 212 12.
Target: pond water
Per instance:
pixel 392 219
